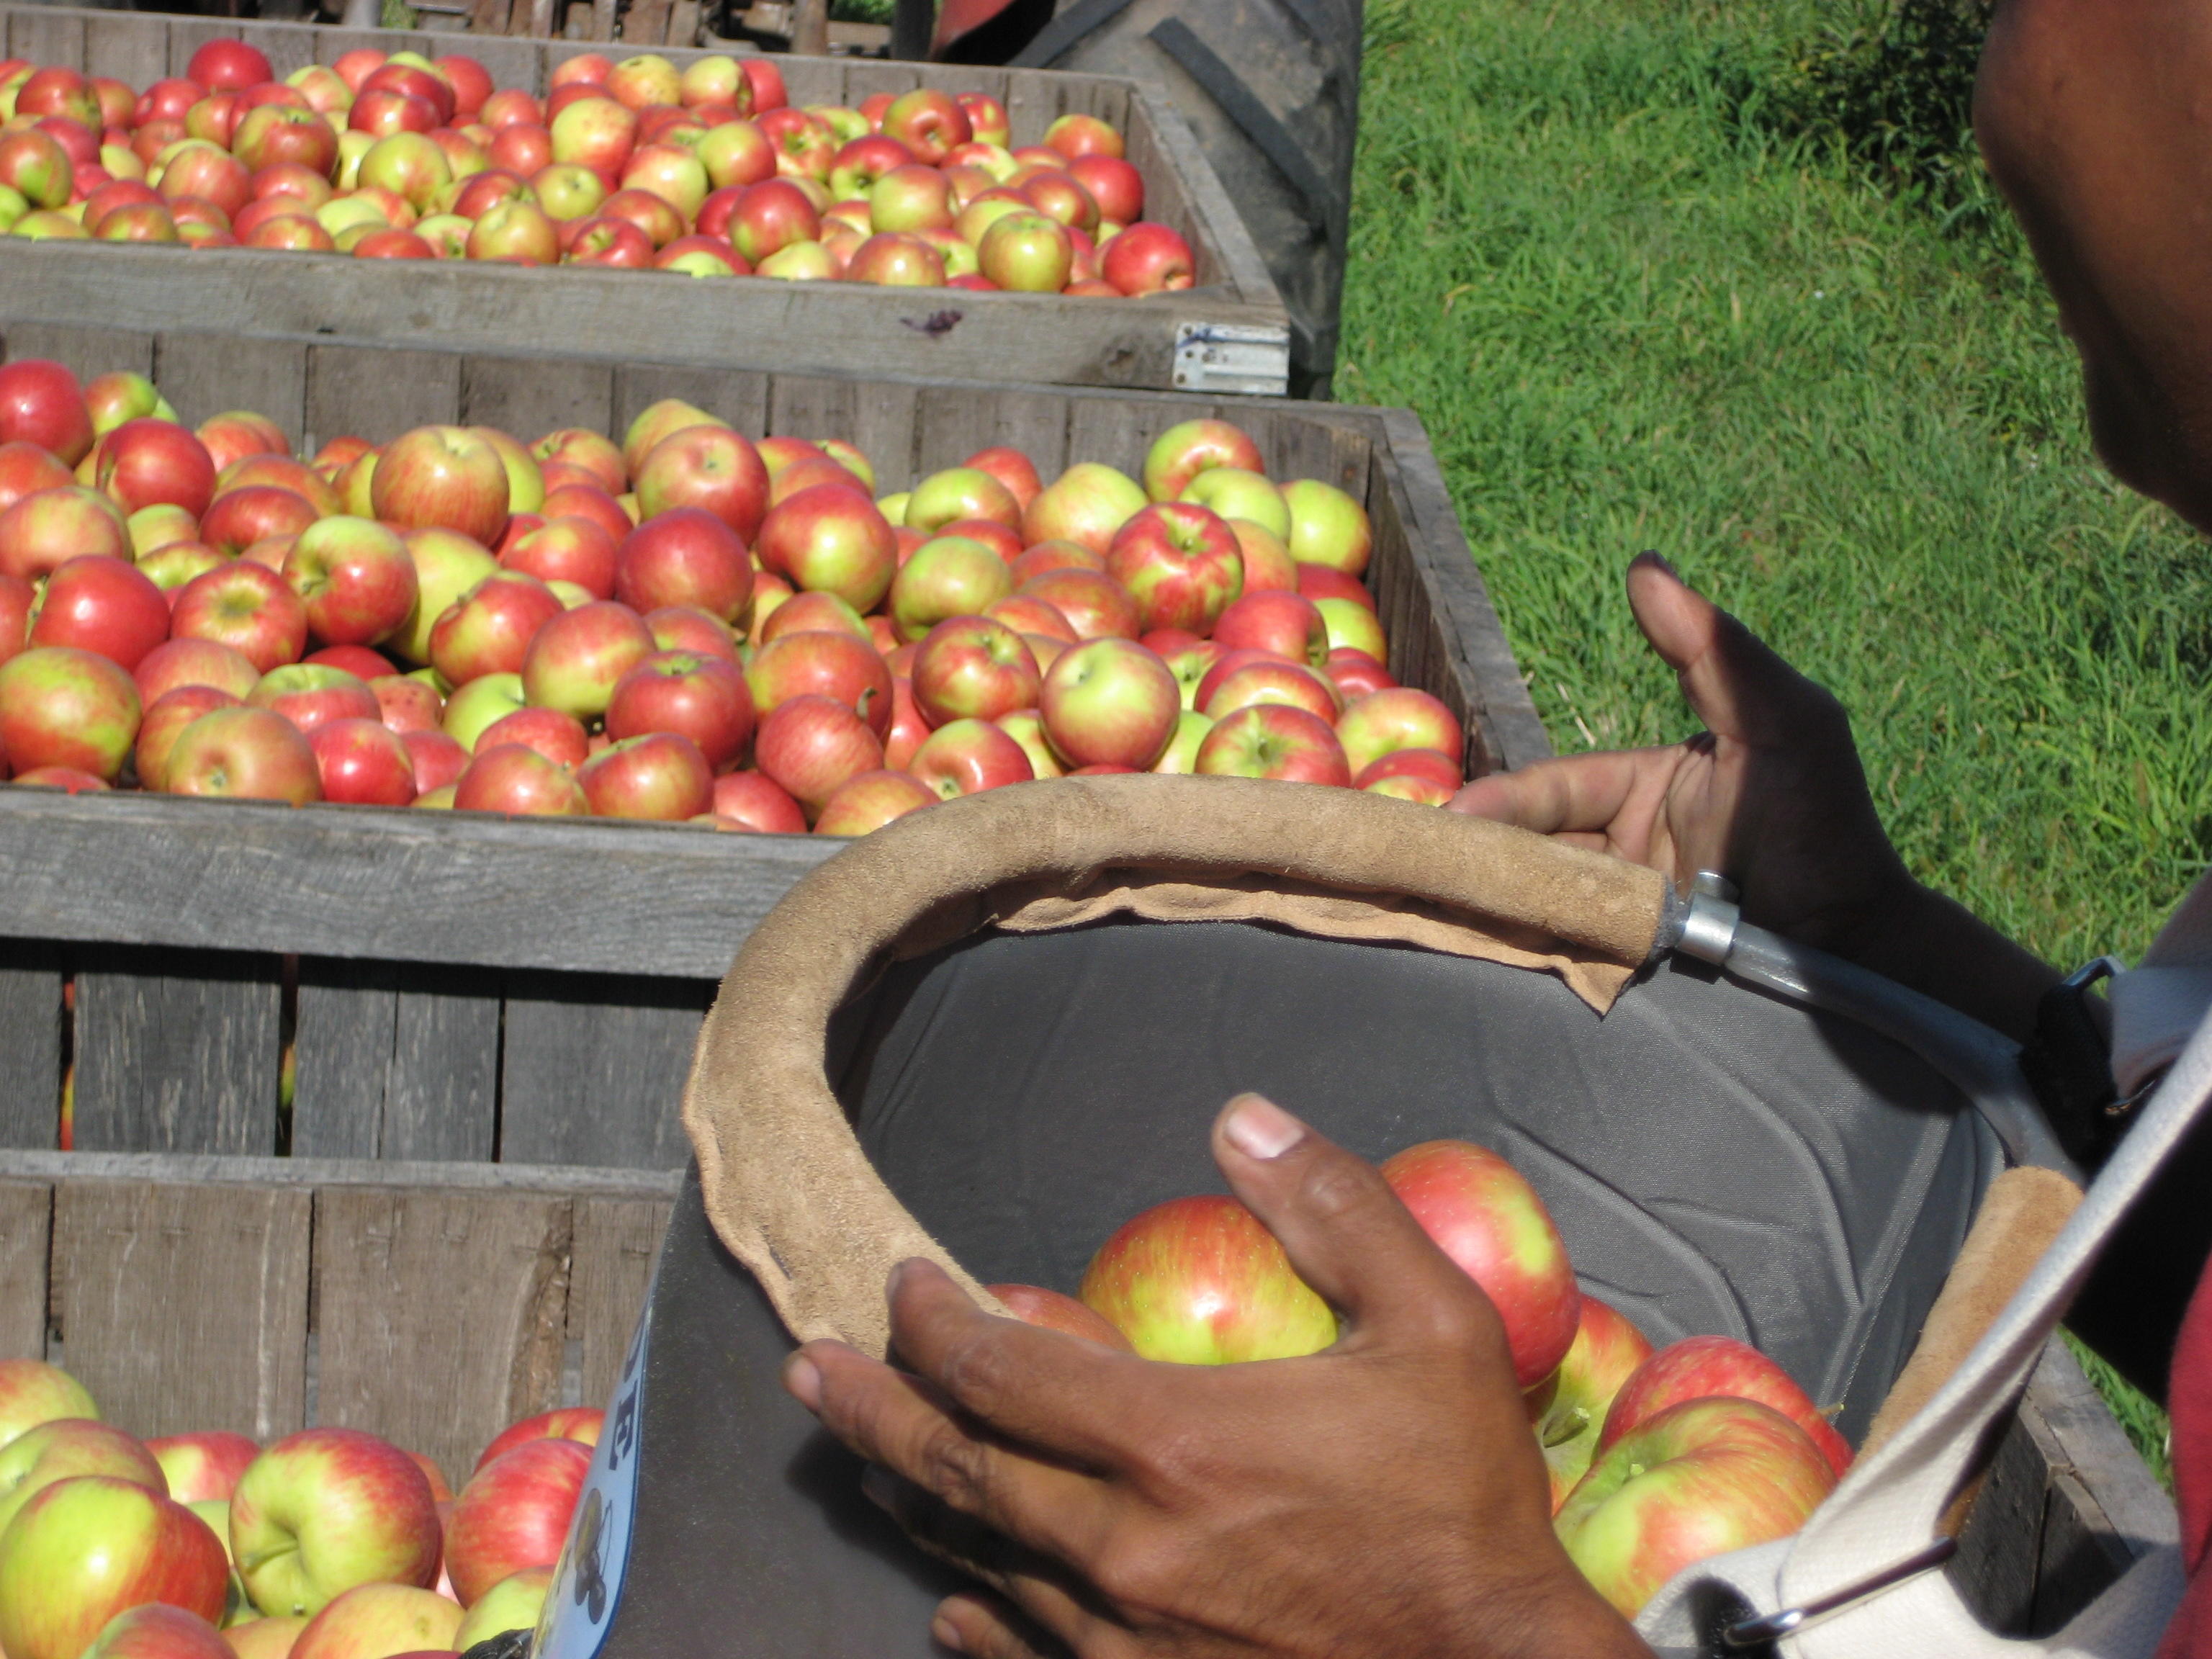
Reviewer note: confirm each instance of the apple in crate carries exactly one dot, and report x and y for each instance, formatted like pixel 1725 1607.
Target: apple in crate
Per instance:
pixel 581 1423
pixel 1085 505
pixel 62 706
pixel 1200 1282
pixel 1179 562
pixel 1110 701
pixel 1697 1481
pixel 325 1509
pixel 84 1550
pixel 377 1621
pixel 69 1447
pixel 203 1465
pixel 1275 741
pixel 514 1603
pixel 1701 1366
pixel 355 578
pixel 513 1514
pixel 865 804
pixel 445 477
pixel 32 1392
pixel 156 1631
pixel 1568 1406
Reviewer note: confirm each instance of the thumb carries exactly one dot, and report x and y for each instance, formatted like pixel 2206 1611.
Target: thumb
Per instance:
pixel 1346 1233
pixel 1733 680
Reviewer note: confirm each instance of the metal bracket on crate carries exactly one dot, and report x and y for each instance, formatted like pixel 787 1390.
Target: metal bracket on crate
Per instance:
pixel 1250 359
pixel 1709 924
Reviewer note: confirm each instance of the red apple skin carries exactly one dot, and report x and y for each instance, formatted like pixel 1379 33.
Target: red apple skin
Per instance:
pixel 1284 623
pixel 62 706
pixel 1179 562
pixel 513 1514
pixel 70 1446
pixel 83 1550
pixel 1148 259
pixel 1703 1365
pixel 968 757
pixel 1355 674
pixel 1110 701
pixel 812 746
pixel 581 1423
pixel 1699 1480
pixel 685 555
pixel 570 549
pixel 1284 682
pixel 1488 1219
pixel 18 599
pixel 248 754
pixel 228 66
pixel 704 699
pixel 164 720
pixel 364 664
pixel 437 759
pixel 821 663
pixel 156 1631
pixel 148 461
pixel 203 1465
pixel 1190 447
pixel 193 662
pixel 575 660
pixel 1040 559
pixel 758 803
pixel 661 777
pixel 1400 718
pixel 1049 1310
pixel 446 477
pixel 1319 581
pixel 550 732
pixel 43 531
pixel 67 778
pixel 380 1621
pixel 247 607
pixel 908 730
pixel 828 537
pixel 254 513
pixel 687 627
pixel 102 604
pixel 355 579
pixel 709 467
pixel 1097 606
pixel 514 779
pixel 362 763
pixel 26 468
pixel 42 402
pixel 1569 1408
pixel 865 804
pixel 973 668
pixel 1275 741
pixel 407 703
pixel 489 629
pixel 819 613
pixel 1200 1281
pixel 307 697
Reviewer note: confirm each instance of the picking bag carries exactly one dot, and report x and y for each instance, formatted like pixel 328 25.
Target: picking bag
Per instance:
pixel 995 1030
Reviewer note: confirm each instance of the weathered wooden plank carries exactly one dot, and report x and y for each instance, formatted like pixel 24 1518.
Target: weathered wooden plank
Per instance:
pixel 864 79
pixel 529 397
pixel 132 49
pixel 47 37
pixel 2002 1541
pixel 509 62
pixel 2084 1439
pixel 87 350
pixel 31 1040
pixel 814 80
pixel 594 1067
pixel 1117 431
pixel 1306 441
pixel 396 1060
pixel 378 395
pixel 463 888
pixel 26 1209
pixel 1034 100
pixel 1226 254
pixel 616 1241
pixel 439 1316
pixel 881 418
pixel 186 1307
pixel 206 374
pixel 176 1050
pixel 287 46
pixel 739 397
pixel 951 423
pixel 316 1173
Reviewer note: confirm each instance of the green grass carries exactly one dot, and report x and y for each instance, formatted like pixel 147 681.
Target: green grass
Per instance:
pixel 1633 315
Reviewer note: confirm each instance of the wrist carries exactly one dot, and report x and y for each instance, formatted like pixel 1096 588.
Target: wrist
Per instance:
pixel 1560 1613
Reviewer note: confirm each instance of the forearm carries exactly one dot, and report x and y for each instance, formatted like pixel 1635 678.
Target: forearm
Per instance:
pixel 1938 947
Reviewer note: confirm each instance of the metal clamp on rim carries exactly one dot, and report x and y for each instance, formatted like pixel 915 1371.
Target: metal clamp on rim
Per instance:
pixel 1709 924
pixel 1748 1633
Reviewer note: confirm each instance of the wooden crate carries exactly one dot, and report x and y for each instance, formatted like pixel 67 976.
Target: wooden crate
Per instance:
pixel 433 1303
pixel 474 989
pixel 1228 334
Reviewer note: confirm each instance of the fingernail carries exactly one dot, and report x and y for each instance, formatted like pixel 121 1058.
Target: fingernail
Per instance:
pixel 942 1632
pixel 1259 1128
pixel 877 1488
pixel 803 1379
pixel 1654 556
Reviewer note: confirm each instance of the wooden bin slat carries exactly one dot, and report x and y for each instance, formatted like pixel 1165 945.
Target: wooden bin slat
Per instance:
pixel 177 1050
pixel 31 1039
pixel 577 1044
pixel 396 1060
pixel 26 1210
pixel 616 1240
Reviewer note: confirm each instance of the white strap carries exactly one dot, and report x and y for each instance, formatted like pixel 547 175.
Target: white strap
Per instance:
pixel 1889 1504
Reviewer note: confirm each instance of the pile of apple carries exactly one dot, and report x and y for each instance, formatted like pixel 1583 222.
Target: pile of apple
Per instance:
pixel 1657 1460
pixel 686 626
pixel 709 171
pixel 327 1544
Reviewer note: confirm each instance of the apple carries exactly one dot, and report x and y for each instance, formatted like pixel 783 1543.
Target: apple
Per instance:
pixel 580 446
pixel 766 80
pixel 42 402
pixel 193 662
pixel 987 116
pixel 1026 252
pixel 660 776
pixel 1181 564
pixel 355 577
pixel 930 124
pixel 84 1550
pixel 822 663
pixel 908 730
pixel 1013 469
pixel 1110 702
pixel 247 607
pixel 284 473
pixel 550 732
pixel 897 261
pixel 380 1621
pixel 1701 1366
pixel 830 539
pixel 1327 527
pixel 203 1465
pixel 966 756
pixel 442 476
pixel 307 695
pixel 812 746
pixel 1027 614
pixel 148 462
pixel 1430 765
pixel 1399 717
pixel 515 779
pixel 687 627
pixel 771 217
pixel 1569 1408
pixel 253 754
pixel 1060 199
pixel 513 1513
pixel 1181 759
pixel 973 668
pixel 1273 740
pixel 447 564
pixel 253 512
pixel 704 698
pixel 1085 505
pixel 754 801
pixel 489 629
pixel 686 555
pixel 165 719
pixel 1268 682
pixel 579 1423
pixel 1283 623
pixel 856 167
pixel 516 1603
pixel 154 1632
pixel 437 760
pixel 1487 1219
pixel 1697 1480
pixel 264 1638
pixel 228 65
pixel 567 549
pixel 236 434
pixel 47 529
pixel 1200 1281
pixel 1034 1305
pixel 104 605
pixel 35 166
pixel 1113 184
pixel 1080 134
pixel 60 706
pixel 1190 448
pixel 949 576
pixel 26 468
pixel 362 763
pixel 1235 493
pixel 325 1509
pixel 958 493
pixel 595 132
pixel 1148 259
pixel 1026 728
pixel 865 803
pixel 476 706
pixel 574 661
pixel 1040 558
pixel 66 1448
pixel 587 502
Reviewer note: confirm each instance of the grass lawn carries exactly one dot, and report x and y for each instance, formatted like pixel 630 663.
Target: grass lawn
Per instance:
pixel 1632 318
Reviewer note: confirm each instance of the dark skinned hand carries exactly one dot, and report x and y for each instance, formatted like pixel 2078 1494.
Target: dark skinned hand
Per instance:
pixel 1383 1496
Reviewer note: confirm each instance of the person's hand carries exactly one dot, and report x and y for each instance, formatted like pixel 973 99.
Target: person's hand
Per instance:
pixel 1383 1496
pixel 1771 794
